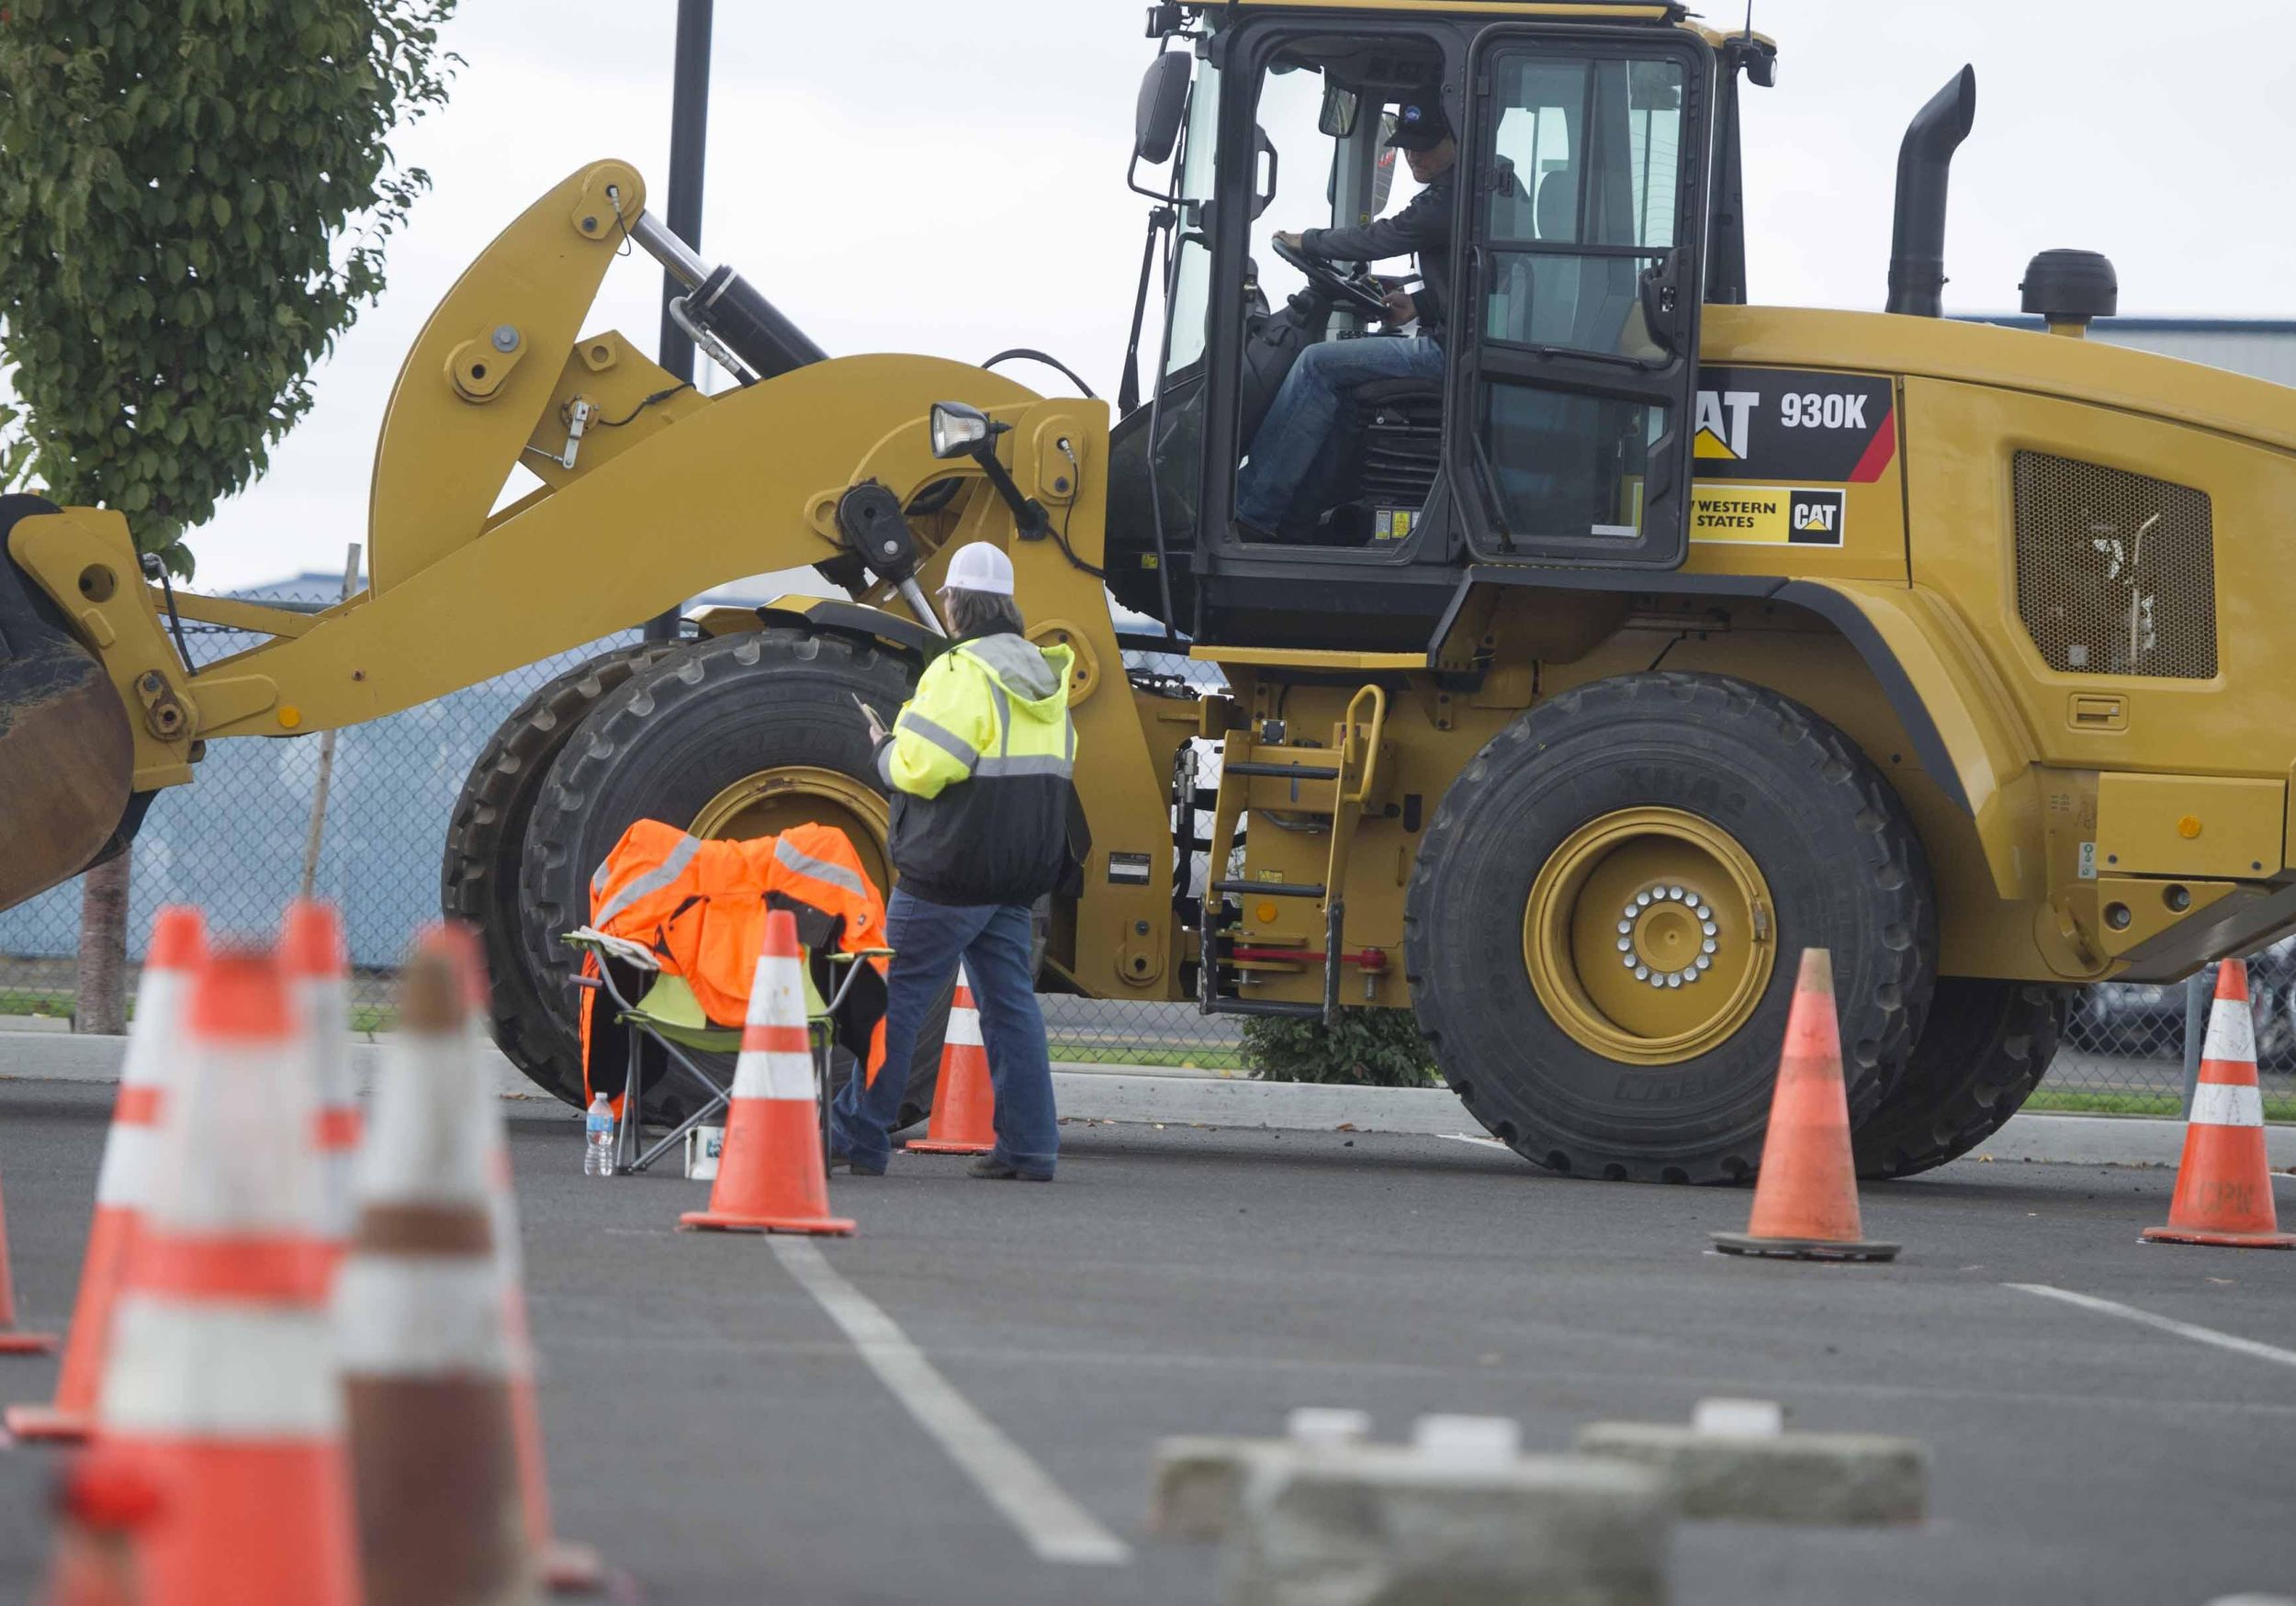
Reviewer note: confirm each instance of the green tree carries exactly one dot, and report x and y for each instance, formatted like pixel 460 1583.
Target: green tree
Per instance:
pixel 194 197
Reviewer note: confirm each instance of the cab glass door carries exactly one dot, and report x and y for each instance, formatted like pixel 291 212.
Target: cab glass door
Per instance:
pixel 1581 323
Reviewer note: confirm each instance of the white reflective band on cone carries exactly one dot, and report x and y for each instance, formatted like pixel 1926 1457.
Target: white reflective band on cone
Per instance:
pixel 964 1028
pixel 2231 1036
pixel 773 1075
pixel 233 1100
pixel 153 1043
pixel 131 1152
pixel 426 1141
pixel 221 1369
pixel 324 1006
pixel 2217 1104
pixel 421 1315
pixel 777 996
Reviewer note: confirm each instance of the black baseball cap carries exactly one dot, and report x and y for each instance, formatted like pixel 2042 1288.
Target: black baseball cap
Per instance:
pixel 1420 124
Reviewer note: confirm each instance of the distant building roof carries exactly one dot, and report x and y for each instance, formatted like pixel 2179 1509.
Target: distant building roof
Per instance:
pixel 2281 327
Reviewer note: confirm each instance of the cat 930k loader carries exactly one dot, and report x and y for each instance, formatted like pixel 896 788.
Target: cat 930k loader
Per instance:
pixel 1656 637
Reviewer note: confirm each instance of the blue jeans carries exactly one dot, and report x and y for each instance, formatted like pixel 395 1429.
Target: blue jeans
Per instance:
pixel 993 941
pixel 1307 411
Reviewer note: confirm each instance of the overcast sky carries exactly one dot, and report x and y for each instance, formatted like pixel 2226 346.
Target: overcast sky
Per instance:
pixel 913 176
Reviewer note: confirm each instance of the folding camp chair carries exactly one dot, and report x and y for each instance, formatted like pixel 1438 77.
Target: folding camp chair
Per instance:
pixel 669 1014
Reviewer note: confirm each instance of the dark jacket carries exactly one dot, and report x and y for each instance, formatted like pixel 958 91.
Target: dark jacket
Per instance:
pixel 979 765
pixel 1422 229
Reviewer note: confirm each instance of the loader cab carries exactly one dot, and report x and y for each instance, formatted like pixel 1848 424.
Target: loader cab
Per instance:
pixel 1556 428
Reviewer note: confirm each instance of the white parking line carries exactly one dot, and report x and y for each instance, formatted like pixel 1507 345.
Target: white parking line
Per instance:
pixel 1056 1527
pixel 2201 1335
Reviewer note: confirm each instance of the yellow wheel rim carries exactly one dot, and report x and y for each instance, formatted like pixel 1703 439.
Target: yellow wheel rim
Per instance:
pixel 770 802
pixel 1649 936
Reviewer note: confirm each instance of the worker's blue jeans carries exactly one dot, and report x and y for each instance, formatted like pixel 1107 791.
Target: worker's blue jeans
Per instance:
pixel 1306 412
pixel 928 939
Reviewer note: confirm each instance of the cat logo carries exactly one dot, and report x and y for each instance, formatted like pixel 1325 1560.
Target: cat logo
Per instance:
pixel 1725 424
pixel 1815 520
pixel 1767 515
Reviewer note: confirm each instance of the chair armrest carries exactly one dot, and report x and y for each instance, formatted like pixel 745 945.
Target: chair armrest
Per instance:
pixel 607 946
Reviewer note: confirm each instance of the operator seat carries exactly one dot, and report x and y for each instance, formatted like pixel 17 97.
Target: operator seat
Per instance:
pixel 1552 316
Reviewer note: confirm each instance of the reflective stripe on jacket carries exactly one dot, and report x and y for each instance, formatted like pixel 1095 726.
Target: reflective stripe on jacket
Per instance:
pixel 980 765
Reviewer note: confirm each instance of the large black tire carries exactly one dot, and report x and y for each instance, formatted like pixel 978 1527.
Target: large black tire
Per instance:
pixel 1983 1050
pixel 1845 870
pixel 485 842
pixel 672 738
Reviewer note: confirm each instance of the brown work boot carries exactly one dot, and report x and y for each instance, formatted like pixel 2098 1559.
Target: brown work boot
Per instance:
pixel 996 1168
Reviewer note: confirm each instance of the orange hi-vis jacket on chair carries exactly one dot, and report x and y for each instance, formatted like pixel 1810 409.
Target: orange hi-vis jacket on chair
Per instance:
pixel 700 905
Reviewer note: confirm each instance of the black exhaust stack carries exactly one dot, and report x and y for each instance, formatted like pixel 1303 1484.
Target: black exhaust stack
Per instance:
pixel 1925 163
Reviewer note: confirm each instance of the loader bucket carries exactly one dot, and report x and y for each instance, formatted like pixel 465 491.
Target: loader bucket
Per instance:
pixel 67 754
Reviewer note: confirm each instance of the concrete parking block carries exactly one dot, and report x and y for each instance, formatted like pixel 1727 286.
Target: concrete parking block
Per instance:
pixel 1198 1483
pixel 1785 1477
pixel 1200 1478
pixel 1381 1525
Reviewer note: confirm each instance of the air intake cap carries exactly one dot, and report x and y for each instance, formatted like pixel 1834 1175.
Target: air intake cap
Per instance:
pixel 2071 287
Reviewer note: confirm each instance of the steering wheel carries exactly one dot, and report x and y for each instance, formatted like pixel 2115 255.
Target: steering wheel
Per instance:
pixel 1360 292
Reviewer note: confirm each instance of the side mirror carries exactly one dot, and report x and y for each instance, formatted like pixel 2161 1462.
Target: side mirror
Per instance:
pixel 1340 106
pixel 958 431
pixel 1162 103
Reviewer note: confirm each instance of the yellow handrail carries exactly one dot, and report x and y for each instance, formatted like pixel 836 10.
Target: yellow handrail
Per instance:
pixel 1349 725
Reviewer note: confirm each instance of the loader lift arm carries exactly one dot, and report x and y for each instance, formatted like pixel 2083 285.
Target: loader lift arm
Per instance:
pixel 668 494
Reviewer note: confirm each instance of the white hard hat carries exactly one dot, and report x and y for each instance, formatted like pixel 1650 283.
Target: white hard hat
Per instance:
pixel 978 567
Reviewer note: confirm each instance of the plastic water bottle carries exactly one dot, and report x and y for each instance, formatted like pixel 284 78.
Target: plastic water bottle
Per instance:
pixel 598 1151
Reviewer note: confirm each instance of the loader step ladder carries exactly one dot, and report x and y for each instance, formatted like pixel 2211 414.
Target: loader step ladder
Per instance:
pixel 1333 784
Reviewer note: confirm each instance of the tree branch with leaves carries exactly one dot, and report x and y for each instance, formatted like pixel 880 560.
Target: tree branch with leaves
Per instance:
pixel 195 198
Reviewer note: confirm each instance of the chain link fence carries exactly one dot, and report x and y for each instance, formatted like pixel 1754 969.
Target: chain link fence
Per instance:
pixel 233 843
pixel 2124 1042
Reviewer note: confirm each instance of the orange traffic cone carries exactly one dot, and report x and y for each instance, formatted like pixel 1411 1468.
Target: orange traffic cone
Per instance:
pixel 123 1185
pixel 102 1500
pixel 2224 1182
pixel 964 1103
pixel 771 1176
pixel 567 1565
pixel 423 1328
pixel 1805 1198
pixel 312 952
pixel 222 1381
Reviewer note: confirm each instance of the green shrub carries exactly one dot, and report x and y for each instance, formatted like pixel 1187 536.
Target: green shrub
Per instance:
pixel 1365 1048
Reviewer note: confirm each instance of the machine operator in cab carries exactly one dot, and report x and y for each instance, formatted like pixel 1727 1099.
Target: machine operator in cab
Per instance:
pixel 1306 408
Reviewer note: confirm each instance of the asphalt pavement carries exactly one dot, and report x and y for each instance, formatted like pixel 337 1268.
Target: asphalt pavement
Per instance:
pixel 715 1431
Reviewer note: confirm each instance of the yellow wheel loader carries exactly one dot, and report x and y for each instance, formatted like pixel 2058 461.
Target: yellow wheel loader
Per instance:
pixel 1647 638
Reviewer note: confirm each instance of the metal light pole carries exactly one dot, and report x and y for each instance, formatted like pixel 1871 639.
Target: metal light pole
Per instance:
pixel 689 143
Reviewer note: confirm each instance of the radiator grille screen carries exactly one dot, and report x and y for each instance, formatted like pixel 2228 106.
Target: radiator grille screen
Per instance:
pixel 2116 572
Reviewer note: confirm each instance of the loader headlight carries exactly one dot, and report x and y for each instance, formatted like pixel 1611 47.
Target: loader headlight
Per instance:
pixel 958 430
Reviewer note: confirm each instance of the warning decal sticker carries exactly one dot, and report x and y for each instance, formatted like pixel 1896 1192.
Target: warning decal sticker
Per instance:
pixel 1767 515
pixel 1788 423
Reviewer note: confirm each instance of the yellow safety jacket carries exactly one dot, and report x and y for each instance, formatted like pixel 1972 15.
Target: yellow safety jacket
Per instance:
pixel 981 766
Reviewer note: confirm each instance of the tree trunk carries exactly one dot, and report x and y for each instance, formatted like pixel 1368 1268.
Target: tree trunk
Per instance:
pixel 103 1001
